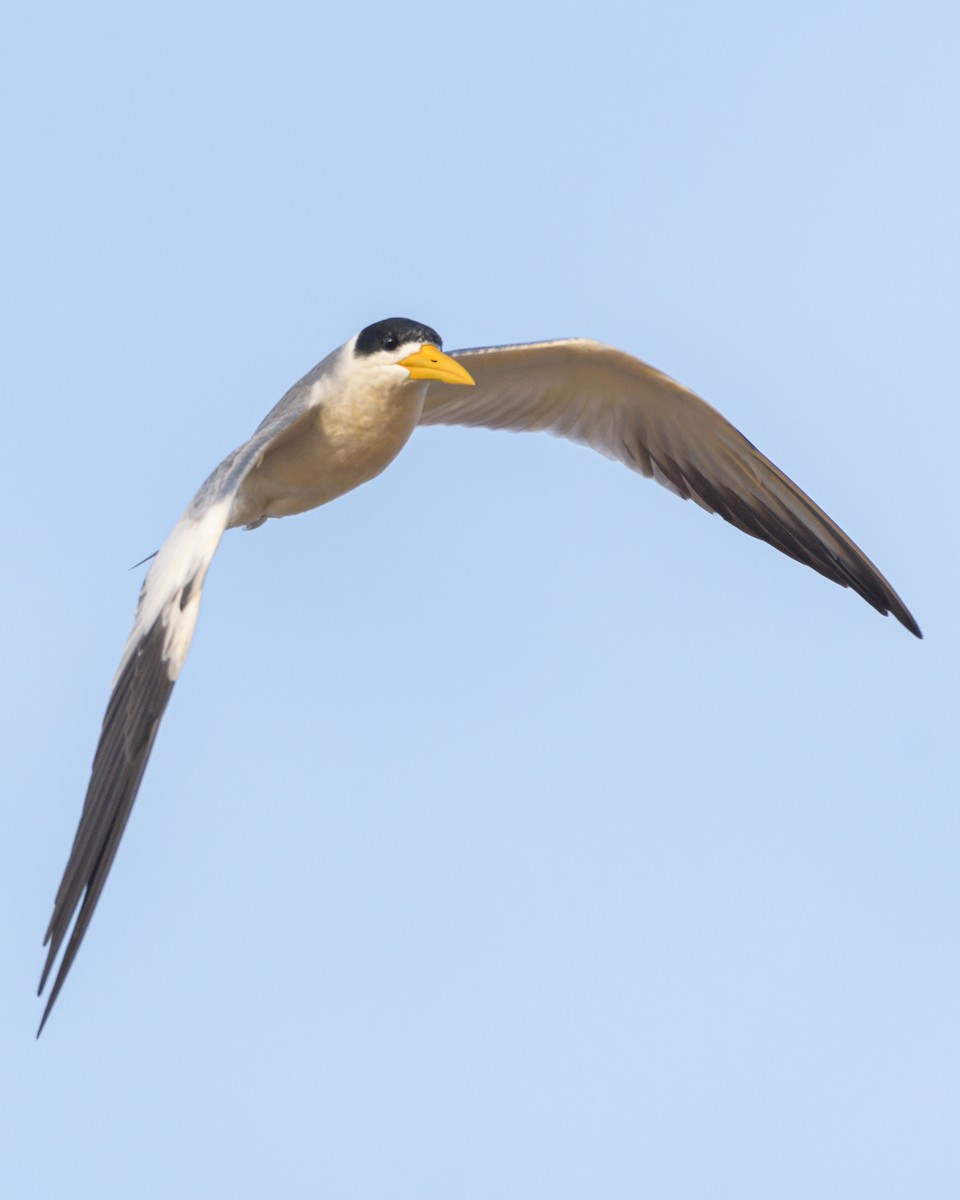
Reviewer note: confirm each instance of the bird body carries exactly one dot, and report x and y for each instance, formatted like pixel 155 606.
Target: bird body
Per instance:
pixel 351 429
pixel 339 427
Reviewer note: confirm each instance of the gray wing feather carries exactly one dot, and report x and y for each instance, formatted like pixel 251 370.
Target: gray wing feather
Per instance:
pixel 155 651
pixel 604 398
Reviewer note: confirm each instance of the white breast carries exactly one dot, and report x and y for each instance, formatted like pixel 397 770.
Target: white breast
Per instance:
pixel 348 436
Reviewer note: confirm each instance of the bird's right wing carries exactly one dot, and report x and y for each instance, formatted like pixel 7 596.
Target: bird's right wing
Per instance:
pixel 604 398
pixel 152 659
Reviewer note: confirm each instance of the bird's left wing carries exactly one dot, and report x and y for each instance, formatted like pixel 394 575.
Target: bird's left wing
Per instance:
pixel 613 402
pixel 152 659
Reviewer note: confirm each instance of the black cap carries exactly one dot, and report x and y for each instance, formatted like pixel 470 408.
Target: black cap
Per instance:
pixel 393 333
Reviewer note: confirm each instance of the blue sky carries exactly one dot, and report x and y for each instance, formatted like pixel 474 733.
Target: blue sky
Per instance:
pixel 515 829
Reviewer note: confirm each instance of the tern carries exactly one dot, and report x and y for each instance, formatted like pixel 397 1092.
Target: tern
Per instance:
pixel 339 427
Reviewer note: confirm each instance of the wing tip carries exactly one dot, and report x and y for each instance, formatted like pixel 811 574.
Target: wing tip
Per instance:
pixel 136 705
pixel 906 619
pixel 51 999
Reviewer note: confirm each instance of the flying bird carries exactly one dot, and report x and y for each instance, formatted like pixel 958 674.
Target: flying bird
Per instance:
pixel 340 426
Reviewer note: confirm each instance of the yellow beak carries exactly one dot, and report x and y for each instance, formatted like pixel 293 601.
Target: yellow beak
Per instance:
pixel 431 363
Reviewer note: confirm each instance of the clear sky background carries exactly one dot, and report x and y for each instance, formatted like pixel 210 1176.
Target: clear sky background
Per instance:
pixel 515 829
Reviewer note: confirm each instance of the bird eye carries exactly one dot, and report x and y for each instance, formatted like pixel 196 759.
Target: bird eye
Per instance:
pixel 390 341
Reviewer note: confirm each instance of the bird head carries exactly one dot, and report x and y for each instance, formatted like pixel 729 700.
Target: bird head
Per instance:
pixel 408 344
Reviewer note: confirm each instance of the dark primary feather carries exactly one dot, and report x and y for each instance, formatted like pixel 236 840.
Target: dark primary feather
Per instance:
pixel 129 728
pixel 624 408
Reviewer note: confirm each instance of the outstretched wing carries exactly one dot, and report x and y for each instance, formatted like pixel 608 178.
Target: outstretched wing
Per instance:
pixel 155 651
pixel 601 397
pixel 152 659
